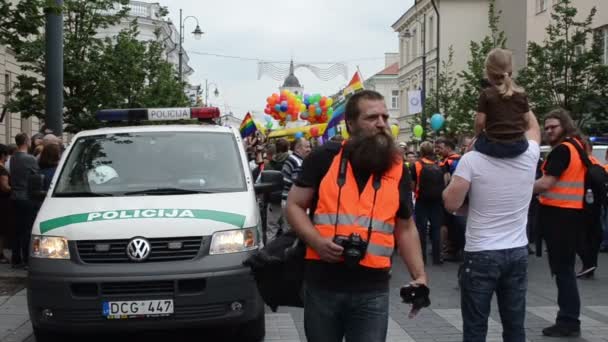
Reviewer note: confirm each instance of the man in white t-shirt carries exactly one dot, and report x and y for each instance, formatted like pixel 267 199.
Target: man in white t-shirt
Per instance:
pixel 496 253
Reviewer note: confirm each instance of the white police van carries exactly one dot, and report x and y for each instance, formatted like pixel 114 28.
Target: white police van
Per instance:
pixel 146 227
pixel 599 152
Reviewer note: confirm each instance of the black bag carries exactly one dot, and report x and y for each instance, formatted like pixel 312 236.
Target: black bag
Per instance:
pixel 431 182
pixel 278 269
pixel 596 181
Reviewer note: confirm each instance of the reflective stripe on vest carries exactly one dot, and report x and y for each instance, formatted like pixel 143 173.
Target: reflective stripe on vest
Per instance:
pixel 356 211
pixel 352 220
pixel 569 190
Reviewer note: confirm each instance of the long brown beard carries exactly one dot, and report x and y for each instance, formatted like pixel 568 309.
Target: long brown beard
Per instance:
pixel 373 154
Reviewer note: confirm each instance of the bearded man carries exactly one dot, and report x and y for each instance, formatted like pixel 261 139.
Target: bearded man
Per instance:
pixel 358 195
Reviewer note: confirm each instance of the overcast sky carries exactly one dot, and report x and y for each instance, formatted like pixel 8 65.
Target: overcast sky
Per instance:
pixel 308 31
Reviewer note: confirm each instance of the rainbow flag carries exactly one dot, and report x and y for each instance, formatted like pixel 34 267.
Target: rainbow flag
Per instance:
pixel 355 84
pixel 247 126
pixel 338 116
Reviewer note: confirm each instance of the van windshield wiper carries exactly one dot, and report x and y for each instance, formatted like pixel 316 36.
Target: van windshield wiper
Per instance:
pixel 167 191
pixel 82 194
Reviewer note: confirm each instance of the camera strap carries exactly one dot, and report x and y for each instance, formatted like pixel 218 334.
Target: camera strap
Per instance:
pixel 377 182
pixel 341 181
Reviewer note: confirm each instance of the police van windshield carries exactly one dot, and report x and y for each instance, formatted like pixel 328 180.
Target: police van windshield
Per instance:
pixel 153 163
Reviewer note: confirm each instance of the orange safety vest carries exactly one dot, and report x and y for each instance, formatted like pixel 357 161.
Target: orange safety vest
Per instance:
pixel 597 162
pixel 449 160
pixel 418 166
pixel 569 190
pixel 356 211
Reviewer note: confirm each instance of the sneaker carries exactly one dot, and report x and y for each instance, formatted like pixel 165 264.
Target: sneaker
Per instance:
pixel 561 330
pixel 585 271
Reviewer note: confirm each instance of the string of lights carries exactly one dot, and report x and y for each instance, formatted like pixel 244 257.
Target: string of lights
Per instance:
pixel 219 55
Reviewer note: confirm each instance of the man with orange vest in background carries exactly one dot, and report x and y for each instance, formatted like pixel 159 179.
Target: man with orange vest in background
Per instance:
pixel 604 246
pixel 429 179
pixel 562 217
pixel 589 246
pixel 359 199
pixel 453 228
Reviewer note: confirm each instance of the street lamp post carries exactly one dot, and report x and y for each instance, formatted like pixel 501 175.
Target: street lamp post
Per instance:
pixel 438 51
pixel 197 35
pixel 215 92
pixel 54 70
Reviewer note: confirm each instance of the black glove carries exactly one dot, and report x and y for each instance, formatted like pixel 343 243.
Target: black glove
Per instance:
pixel 417 295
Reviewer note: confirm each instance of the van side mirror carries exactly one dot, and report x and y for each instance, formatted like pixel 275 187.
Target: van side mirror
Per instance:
pixel 35 187
pixel 270 180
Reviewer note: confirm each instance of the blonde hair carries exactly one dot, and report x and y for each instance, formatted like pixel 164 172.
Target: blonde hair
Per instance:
pixel 499 69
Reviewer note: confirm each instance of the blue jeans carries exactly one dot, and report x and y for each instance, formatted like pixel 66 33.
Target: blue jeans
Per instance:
pixel 330 316
pixel 25 214
pixel 429 211
pixel 568 298
pixel 483 273
pixel 500 149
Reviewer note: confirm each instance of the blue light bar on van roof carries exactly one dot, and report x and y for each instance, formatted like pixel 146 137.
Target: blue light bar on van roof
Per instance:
pixel 158 114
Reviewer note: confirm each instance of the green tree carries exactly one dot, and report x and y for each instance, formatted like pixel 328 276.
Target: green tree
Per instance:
pixel 566 70
pixel 99 73
pixel 23 31
pixel 448 95
pixel 462 120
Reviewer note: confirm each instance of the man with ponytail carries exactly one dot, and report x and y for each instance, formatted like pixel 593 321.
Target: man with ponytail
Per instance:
pixel 502 112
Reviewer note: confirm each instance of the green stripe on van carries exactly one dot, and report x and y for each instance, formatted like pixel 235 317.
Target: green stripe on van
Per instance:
pixel 213 215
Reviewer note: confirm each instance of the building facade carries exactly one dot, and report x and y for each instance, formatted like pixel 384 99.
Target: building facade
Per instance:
pixel 149 18
pixel 386 83
pixel 11 123
pixel 539 17
pixel 462 21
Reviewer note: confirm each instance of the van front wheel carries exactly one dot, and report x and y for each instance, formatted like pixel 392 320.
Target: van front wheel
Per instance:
pixel 254 330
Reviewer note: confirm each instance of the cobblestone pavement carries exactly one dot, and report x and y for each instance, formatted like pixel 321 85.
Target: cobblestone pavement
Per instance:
pixel 441 323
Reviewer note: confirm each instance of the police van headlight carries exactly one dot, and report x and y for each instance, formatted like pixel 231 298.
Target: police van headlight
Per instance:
pixel 233 241
pixel 50 247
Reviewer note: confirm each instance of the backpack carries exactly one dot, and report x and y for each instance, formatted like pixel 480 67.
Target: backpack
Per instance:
pixel 278 270
pixel 596 183
pixel 430 182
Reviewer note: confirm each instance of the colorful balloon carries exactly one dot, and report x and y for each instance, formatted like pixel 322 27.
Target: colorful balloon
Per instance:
pixel 395 130
pixel 418 131
pixel 437 121
pixel 299 135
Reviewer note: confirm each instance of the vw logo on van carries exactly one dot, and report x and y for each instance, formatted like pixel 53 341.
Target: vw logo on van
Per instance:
pixel 138 249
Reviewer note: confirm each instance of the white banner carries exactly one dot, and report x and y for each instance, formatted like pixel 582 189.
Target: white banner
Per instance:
pixel 414 100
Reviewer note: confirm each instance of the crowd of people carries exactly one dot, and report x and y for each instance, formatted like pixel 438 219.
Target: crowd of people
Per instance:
pixel 483 203
pixel 358 203
pixel 38 155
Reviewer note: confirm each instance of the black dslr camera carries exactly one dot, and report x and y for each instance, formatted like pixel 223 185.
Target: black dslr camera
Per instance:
pixel 354 248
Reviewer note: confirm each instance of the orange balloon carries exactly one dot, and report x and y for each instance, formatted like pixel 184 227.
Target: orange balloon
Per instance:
pixel 312 110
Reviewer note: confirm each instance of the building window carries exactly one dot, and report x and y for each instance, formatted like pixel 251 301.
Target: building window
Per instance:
pixel 541 5
pixel 431 32
pixel 395 99
pixel 414 44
